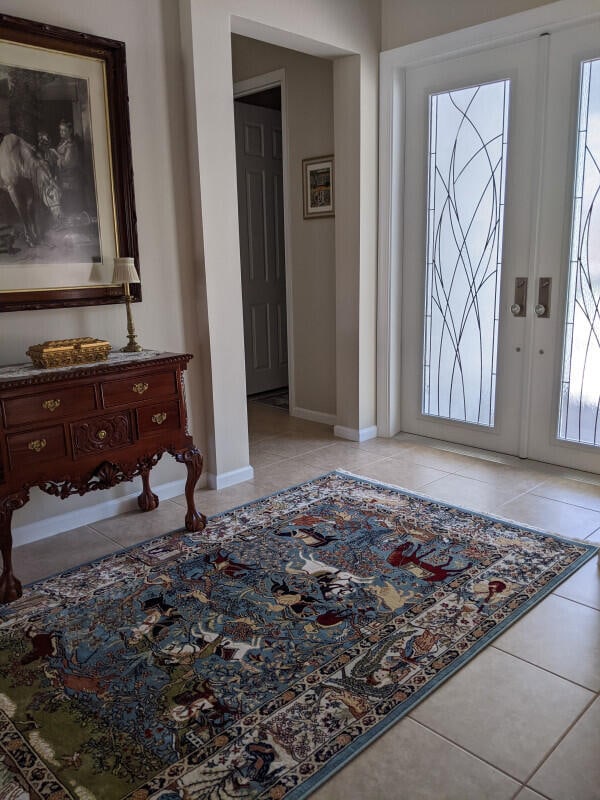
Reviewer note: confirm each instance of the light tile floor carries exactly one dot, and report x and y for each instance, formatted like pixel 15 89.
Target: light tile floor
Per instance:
pixel 522 719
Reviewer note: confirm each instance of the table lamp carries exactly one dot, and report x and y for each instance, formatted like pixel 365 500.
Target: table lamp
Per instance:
pixel 125 272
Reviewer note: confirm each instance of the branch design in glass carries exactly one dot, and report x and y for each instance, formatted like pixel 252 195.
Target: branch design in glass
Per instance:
pixel 579 416
pixel 468 130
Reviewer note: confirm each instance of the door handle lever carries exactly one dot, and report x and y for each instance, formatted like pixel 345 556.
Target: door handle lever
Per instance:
pixel 519 307
pixel 542 308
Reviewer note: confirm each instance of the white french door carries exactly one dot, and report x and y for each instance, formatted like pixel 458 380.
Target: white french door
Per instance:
pixel 470 133
pixel 564 422
pixel 500 331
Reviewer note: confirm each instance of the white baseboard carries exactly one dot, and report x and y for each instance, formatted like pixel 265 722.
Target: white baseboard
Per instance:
pixel 313 416
pixel 355 434
pixel 86 516
pixel 222 480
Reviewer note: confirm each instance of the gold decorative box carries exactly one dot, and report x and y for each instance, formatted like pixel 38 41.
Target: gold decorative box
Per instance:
pixel 66 352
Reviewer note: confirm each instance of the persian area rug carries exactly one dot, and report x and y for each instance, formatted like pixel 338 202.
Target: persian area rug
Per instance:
pixel 254 659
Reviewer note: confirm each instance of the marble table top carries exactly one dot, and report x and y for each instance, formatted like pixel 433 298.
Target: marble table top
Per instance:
pixel 20 371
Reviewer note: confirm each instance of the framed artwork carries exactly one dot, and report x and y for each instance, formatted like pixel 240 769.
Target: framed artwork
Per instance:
pixel 317 182
pixel 67 204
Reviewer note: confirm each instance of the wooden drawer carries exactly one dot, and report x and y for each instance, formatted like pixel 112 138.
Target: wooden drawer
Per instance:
pixel 136 388
pixel 157 418
pixel 36 447
pixel 108 432
pixel 53 404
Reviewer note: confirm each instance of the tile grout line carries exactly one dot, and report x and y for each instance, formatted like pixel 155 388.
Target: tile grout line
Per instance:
pixel 120 545
pixel 282 459
pixel 565 473
pixel 465 750
pixel 134 511
pixel 573 506
pixel 549 500
pixel 299 455
pixel 480 511
pixel 556 593
pixel 530 491
pixel 491 484
pixel 377 459
pixel 520 494
pixel 524 786
pixel 556 500
pixel 544 669
pixel 560 740
pixel 566 502
pixel 103 535
pixel 108 538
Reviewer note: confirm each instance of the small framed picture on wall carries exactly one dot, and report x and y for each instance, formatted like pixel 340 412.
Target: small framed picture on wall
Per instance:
pixel 317 180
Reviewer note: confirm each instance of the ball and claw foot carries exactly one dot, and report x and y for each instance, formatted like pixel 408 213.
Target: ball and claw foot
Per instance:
pixel 147 501
pixel 192 458
pixel 194 521
pixel 10 588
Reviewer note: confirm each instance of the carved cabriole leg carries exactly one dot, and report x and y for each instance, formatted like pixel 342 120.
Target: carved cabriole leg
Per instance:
pixel 10 586
pixel 192 458
pixel 147 501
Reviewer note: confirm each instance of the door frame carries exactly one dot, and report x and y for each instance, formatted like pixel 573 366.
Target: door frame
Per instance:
pixel 392 75
pixel 259 83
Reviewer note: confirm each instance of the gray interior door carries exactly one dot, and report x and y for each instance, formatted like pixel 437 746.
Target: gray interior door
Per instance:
pixel 260 201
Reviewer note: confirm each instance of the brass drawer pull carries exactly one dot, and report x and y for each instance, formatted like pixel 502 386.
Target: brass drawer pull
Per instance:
pixel 159 418
pixel 51 405
pixel 102 434
pixel 37 445
pixel 140 388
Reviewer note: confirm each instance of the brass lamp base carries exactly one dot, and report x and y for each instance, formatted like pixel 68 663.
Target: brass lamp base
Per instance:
pixel 132 346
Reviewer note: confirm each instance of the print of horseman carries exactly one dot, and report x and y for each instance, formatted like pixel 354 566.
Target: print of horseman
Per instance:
pixel 66 163
pixel 27 177
pixel 48 204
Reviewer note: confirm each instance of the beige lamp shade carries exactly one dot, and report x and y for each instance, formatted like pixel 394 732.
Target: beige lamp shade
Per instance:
pixel 125 271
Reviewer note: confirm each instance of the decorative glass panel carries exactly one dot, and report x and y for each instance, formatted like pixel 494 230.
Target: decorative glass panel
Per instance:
pixel 579 418
pixel 465 210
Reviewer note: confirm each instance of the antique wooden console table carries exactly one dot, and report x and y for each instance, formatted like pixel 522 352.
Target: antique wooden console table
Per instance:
pixel 74 430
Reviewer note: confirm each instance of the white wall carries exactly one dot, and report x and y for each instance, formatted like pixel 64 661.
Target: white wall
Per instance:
pixel 309 102
pixel 335 28
pixel 404 21
pixel 167 319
